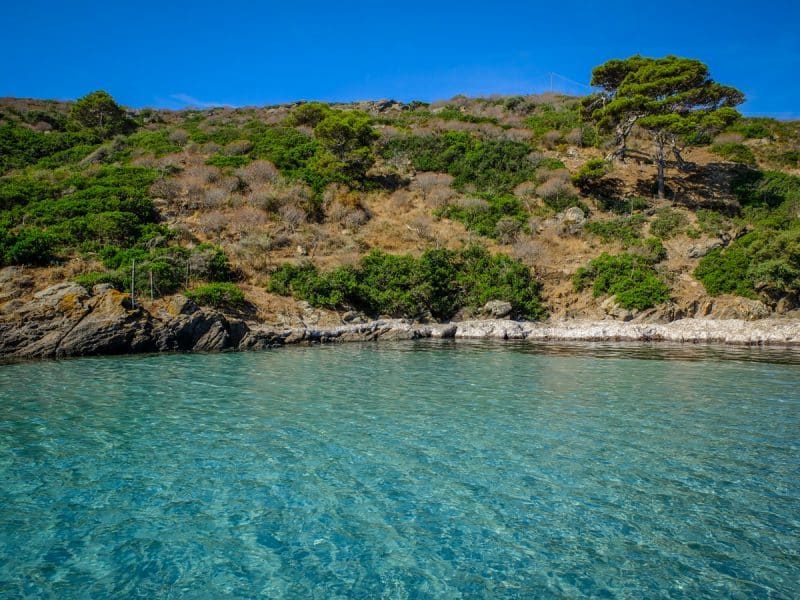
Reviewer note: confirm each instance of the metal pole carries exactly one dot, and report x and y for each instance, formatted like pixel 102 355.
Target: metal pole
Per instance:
pixel 133 283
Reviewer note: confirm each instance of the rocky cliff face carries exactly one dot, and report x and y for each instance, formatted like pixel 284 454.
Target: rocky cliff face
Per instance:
pixel 68 320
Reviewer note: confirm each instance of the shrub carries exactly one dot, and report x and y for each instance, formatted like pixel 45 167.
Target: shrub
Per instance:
pixel 438 283
pixel 285 147
pixel 482 214
pixel 348 136
pixel 770 188
pixel 454 113
pixel 494 166
pixel 726 272
pixel 98 112
pixel 630 278
pixel 306 283
pixel 590 173
pixel 734 152
pixel 258 172
pixel 547 117
pixel 507 229
pixel 31 246
pixel 22 189
pixel 667 223
pixel 20 147
pixel 238 147
pixel 491 166
pixel 172 267
pixel 158 143
pixel 711 222
pixel 93 278
pixel 624 229
pixel 218 295
pixel 763 261
pixel 753 127
pixel 224 161
pixel 309 114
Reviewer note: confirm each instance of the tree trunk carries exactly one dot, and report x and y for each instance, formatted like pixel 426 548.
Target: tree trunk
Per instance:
pixel 621 133
pixel 661 161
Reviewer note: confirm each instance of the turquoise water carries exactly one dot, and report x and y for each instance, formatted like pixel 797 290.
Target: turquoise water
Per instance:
pixel 416 470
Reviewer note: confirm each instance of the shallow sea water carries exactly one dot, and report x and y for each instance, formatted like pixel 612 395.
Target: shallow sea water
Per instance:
pixel 411 470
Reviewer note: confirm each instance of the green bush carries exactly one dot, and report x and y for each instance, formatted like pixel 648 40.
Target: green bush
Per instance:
pixel 223 161
pixel 630 278
pixel 753 127
pixel 547 117
pixel 711 222
pixel 764 261
pixel 310 114
pixel 734 152
pixel 348 137
pixel 494 166
pixel 21 146
pixel 624 229
pixel 99 113
pixel 491 166
pixel 765 188
pixel 454 113
pixel 438 283
pixel 483 217
pixel 172 268
pixel 623 206
pixel 667 223
pixel 30 246
pixel 218 295
pixel 590 173
pixel 156 143
pixel 285 147
pixel 92 278
pixel 783 158
pixel 23 189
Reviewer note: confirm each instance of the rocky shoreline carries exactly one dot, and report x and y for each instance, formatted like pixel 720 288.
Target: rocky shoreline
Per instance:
pixel 68 320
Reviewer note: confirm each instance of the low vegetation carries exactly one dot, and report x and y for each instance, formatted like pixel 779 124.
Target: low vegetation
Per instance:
pixel 630 278
pixel 218 295
pixel 438 284
pixel 765 262
pixel 202 199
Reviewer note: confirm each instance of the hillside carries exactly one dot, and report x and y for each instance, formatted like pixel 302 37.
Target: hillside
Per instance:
pixel 330 213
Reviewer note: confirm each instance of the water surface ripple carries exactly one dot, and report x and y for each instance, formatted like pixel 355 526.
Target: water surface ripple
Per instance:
pixel 416 470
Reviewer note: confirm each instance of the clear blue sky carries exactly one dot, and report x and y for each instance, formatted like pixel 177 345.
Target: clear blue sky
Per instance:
pixel 173 54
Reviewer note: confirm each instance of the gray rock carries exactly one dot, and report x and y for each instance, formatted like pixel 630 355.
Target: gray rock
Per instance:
pixel 35 329
pixel 497 309
pixel 736 307
pixel 571 221
pixel 101 288
pixel 786 304
pixel 63 320
pixel 612 309
pixel 111 326
pixel 184 326
pixel 353 316
pixel 701 249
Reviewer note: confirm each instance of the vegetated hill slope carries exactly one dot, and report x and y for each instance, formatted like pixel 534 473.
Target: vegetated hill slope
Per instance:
pixel 504 198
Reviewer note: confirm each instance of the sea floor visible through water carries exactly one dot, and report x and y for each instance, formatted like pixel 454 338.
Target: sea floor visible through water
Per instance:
pixel 428 469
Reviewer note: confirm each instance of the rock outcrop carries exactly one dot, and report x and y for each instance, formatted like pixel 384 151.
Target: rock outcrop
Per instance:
pixel 67 320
